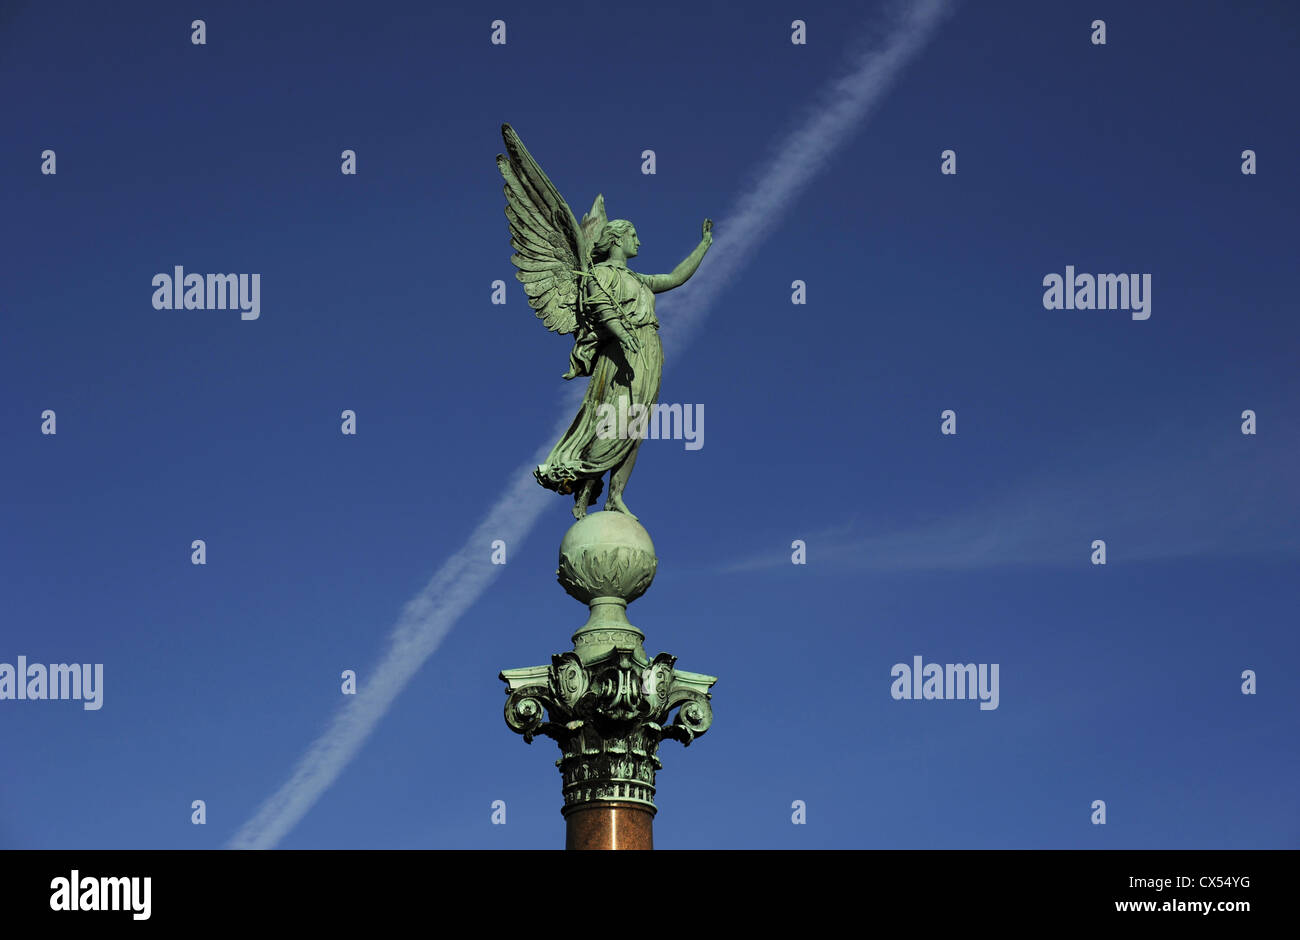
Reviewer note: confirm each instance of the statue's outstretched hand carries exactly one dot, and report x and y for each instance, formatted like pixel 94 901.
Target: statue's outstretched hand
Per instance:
pixel 707 232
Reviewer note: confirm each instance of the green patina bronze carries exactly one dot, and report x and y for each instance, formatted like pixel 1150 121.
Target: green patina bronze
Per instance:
pixel 577 280
pixel 606 703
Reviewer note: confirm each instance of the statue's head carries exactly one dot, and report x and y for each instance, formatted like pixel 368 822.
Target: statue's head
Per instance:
pixel 618 232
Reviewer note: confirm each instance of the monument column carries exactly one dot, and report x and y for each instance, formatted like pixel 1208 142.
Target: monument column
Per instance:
pixel 605 702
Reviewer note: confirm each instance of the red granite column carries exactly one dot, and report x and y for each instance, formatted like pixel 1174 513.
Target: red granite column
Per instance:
pixel 609 825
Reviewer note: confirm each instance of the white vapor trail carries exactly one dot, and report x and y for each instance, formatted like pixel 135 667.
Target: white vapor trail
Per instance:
pixel 464 577
pixel 840 110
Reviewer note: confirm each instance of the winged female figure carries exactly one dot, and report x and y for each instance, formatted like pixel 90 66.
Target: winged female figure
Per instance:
pixel 577 281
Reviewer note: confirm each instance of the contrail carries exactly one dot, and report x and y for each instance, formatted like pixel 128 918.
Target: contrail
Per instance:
pixel 840 110
pixel 1177 490
pixel 464 577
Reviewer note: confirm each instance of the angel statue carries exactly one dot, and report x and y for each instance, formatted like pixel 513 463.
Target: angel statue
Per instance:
pixel 577 280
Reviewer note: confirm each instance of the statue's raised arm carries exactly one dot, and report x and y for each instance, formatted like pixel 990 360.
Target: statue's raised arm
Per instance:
pixel 682 273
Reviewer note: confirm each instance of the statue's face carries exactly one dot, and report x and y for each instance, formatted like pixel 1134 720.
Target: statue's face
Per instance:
pixel 630 243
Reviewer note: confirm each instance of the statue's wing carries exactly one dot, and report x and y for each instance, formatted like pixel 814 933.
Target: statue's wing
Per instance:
pixel 549 246
pixel 592 223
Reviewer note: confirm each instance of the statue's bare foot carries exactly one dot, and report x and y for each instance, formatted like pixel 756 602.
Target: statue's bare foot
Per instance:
pixel 582 499
pixel 615 504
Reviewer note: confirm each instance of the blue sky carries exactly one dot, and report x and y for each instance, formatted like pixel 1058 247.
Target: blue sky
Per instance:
pixel 1119 683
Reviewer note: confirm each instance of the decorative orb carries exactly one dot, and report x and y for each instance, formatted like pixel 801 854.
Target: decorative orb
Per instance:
pixel 606 554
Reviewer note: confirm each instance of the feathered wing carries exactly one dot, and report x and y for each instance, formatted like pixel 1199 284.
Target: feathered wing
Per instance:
pixel 551 251
pixel 592 223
